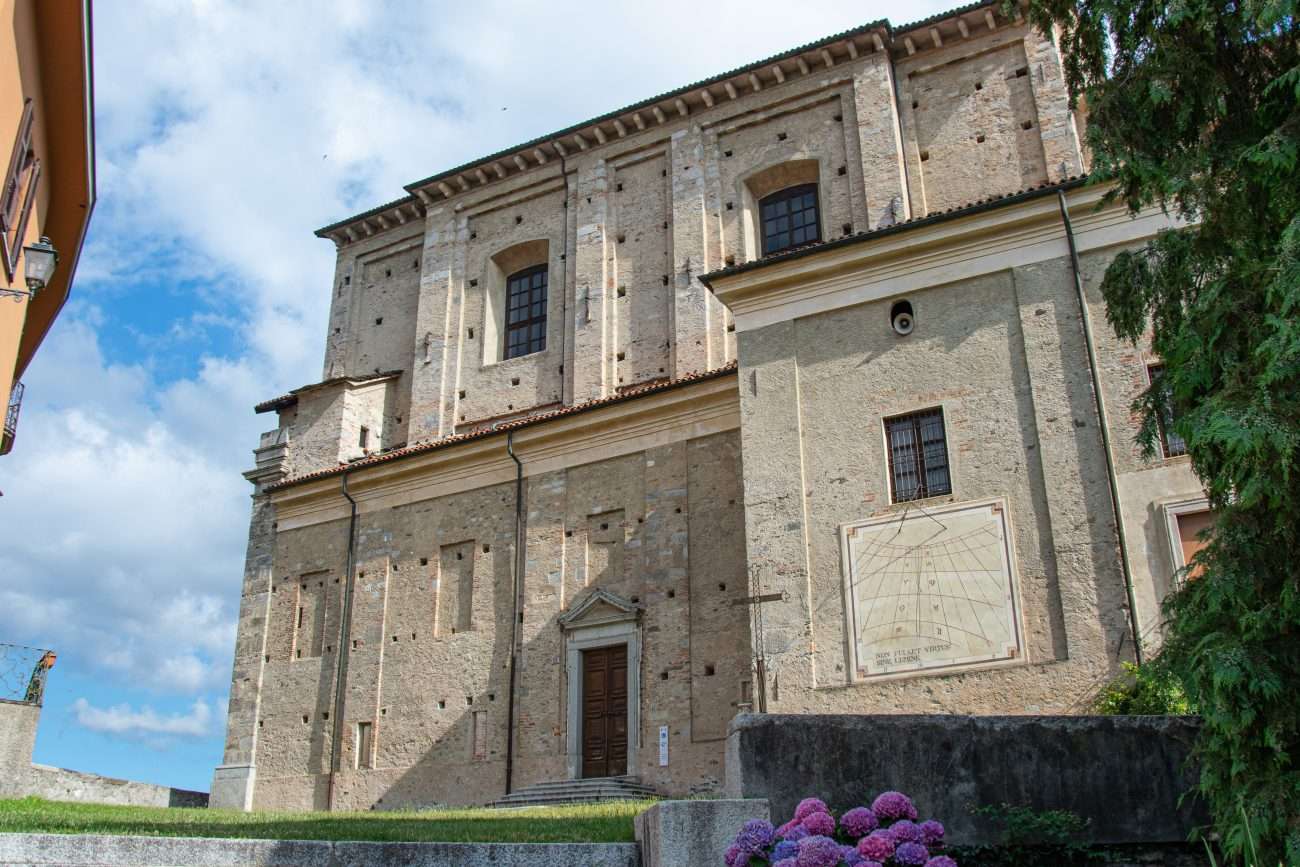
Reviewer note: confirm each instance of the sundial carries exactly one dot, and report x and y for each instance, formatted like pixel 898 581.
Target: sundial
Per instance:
pixel 931 588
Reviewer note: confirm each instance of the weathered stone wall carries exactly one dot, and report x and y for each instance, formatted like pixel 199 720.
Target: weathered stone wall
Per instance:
pixel 1126 776
pixel 429 645
pixel 18 722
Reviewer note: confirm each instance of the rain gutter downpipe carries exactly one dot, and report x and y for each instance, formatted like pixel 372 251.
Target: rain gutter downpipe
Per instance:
pixel 345 628
pixel 1125 566
pixel 515 610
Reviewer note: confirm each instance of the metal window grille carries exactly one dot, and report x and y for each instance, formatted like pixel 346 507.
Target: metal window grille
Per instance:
pixel 1170 443
pixel 918 456
pixel 526 312
pixel 11 418
pixel 789 218
pixel 23 672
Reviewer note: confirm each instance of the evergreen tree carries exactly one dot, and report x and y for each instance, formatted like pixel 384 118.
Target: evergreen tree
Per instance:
pixel 1195 105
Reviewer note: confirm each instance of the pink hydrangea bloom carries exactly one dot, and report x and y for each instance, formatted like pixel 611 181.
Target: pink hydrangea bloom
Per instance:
pixel 732 853
pixel 808 806
pixel 859 822
pixel 941 861
pixel 787 828
pixel 893 805
pixel 876 846
pixel 818 852
pixel 931 832
pixel 819 824
pixel 904 831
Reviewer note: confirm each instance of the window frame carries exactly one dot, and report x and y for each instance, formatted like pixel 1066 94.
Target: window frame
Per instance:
pixel 1165 420
pixel 18 195
pixel 520 282
pixel 785 195
pixel 916 419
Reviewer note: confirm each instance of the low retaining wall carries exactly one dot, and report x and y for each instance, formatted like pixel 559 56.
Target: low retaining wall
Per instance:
pixel 1124 774
pixel 105 851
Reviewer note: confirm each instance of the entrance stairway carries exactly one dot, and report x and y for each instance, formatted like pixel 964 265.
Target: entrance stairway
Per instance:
pixel 578 791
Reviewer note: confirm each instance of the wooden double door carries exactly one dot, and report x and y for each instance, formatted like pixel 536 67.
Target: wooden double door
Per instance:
pixel 604 711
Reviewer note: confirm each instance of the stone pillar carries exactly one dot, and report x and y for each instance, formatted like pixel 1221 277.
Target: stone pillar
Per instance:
pixel 1061 147
pixel 18 722
pixel 883 173
pixel 692 337
pixel 233 781
pixel 677 833
pixel 438 337
pixel 593 285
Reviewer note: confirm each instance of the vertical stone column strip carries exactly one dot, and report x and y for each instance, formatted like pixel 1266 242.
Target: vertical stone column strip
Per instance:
pixel 1061 147
pixel 882 170
pixel 692 336
pixel 593 270
pixel 775 509
pixel 439 292
pixel 1082 533
pixel 339 336
pixel 233 781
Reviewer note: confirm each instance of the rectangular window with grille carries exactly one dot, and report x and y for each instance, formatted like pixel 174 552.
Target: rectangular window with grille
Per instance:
pixel 1170 443
pixel 918 456
pixel 789 218
pixel 526 312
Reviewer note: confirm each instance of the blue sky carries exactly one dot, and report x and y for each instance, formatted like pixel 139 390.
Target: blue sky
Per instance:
pixel 227 132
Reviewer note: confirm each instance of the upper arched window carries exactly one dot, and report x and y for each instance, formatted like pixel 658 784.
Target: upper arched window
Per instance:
pixel 789 218
pixel 526 312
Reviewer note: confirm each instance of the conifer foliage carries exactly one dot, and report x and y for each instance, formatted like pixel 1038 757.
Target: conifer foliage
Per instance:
pixel 1195 105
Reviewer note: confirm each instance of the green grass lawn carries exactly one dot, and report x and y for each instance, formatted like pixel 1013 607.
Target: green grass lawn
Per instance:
pixel 608 822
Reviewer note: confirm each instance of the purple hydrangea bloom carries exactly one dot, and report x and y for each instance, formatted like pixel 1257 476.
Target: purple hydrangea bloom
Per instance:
pixel 787 828
pixel 785 849
pixel 870 864
pixel 798 832
pixel 849 855
pixel 941 861
pixel 876 846
pixel 859 822
pixel 733 852
pixel 756 835
pixel 785 862
pixel 911 854
pixel 903 831
pixel 819 824
pixel 931 832
pixel 893 805
pixel 818 852
pixel 808 806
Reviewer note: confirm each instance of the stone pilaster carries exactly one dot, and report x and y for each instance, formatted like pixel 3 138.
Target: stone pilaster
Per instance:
pixel 594 270
pixel 883 174
pixel 438 327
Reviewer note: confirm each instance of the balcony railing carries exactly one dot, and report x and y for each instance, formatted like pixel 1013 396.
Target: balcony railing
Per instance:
pixel 11 419
pixel 23 671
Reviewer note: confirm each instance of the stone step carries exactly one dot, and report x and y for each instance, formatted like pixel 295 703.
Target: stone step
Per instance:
pixel 627 788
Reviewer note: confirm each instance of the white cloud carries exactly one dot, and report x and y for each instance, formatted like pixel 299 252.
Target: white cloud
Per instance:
pixel 227 131
pixel 122 721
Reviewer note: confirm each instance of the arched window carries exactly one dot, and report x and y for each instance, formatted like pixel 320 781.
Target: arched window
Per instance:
pixel 526 312
pixel 788 218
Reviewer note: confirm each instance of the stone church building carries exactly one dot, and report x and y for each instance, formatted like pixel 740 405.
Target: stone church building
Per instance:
pixel 787 391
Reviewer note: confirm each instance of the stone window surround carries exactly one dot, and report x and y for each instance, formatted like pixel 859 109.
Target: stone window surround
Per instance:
pixel 954 494
pixel 500 265
pixel 1171 510
pixel 621 627
pixel 763 181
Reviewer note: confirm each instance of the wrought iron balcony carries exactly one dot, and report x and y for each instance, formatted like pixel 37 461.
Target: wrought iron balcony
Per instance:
pixel 11 419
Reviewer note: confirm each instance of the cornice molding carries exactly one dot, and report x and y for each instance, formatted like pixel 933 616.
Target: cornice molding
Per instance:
pixel 946 251
pixel 691 411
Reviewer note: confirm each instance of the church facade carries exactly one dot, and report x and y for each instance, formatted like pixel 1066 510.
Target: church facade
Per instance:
pixel 787 391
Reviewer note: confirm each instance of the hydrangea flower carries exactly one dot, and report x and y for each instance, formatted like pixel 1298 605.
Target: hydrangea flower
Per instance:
pixel 911 854
pixel 931 832
pixel 876 846
pixel 785 849
pixel 893 805
pixel 859 822
pixel 798 832
pixel 729 858
pixel 808 806
pixel 785 829
pixel 941 861
pixel 849 855
pixel 757 834
pixel 785 862
pixel 904 831
pixel 819 824
pixel 870 864
pixel 818 852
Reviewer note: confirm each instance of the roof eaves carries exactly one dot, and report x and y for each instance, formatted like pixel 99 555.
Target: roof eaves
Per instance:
pixel 290 398
pixel 942 16
pixel 503 427
pixel 324 231
pixel 953 213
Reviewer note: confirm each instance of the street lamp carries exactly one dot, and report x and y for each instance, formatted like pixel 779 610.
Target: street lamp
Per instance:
pixel 40 260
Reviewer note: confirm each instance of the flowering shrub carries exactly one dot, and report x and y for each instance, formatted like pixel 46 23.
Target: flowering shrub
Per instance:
pixel 886 834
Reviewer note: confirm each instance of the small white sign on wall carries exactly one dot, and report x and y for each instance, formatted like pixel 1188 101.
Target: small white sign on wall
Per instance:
pixel 663 746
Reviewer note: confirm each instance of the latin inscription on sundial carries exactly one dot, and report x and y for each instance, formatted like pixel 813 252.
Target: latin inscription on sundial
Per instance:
pixel 931 588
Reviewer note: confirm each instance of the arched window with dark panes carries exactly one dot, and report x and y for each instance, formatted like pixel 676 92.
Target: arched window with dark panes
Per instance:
pixel 789 218
pixel 526 312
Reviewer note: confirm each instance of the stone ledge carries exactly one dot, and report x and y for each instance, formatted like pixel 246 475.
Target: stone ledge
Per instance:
pixel 31 850
pixel 678 833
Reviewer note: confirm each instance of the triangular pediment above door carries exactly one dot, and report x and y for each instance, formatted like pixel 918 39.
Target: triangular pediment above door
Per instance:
pixel 598 607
